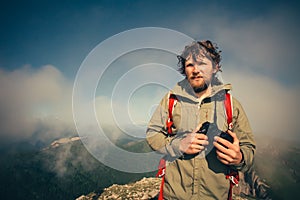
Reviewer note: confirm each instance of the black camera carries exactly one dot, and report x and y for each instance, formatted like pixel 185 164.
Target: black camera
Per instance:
pixel 214 130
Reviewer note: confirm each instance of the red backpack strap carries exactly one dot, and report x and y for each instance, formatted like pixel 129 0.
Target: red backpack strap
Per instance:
pixel 229 109
pixel 172 100
pixel 232 175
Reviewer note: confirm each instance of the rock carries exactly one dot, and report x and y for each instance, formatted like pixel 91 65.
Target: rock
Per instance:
pixel 148 188
pixel 82 197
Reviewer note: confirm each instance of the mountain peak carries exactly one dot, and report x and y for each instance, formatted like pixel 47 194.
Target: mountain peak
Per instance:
pixel 62 141
pixel 146 188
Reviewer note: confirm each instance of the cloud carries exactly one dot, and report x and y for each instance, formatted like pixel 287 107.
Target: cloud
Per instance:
pixel 267 42
pixel 258 51
pixel 33 100
pixel 65 158
pixel 261 63
pixel 272 107
pixel 259 56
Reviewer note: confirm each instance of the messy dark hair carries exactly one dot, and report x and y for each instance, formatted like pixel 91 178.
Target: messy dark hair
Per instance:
pixel 197 48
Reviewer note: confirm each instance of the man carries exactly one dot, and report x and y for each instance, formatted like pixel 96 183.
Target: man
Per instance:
pixel 197 163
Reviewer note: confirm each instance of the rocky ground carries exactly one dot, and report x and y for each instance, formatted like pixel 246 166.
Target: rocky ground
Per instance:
pixel 147 188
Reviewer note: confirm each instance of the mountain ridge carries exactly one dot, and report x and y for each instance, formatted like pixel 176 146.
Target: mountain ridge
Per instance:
pixel 69 171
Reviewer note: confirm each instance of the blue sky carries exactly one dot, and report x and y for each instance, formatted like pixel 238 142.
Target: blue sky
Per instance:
pixel 43 44
pixel 62 33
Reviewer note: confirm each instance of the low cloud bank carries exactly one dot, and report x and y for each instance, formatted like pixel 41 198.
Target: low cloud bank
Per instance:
pixel 34 102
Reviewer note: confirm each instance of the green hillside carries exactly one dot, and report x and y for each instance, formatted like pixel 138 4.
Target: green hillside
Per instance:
pixel 69 171
pixel 278 162
pixel 65 172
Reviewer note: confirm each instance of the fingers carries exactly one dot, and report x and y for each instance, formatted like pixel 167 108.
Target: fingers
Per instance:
pixel 225 158
pixel 227 152
pixel 222 142
pixel 197 128
pixel 224 154
pixel 234 145
pixel 193 143
pixel 233 135
pixel 196 147
pixel 200 139
pixel 232 158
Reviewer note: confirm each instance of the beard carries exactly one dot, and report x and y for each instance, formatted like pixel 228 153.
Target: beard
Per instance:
pixel 200 88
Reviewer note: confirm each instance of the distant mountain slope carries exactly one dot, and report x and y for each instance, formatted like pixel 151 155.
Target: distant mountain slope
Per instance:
pixel 277 163
pixel 64 170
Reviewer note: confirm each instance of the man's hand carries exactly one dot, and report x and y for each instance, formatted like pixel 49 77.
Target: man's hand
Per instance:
pixel 229 153
pixel 193 143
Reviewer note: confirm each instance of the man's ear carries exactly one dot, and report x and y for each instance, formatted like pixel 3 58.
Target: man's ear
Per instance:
pixel 216 68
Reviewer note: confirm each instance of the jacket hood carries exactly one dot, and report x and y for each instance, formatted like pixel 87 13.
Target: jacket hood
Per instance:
pixel 183 89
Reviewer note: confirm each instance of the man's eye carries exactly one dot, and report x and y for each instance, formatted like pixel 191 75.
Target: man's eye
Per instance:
pixel 189 65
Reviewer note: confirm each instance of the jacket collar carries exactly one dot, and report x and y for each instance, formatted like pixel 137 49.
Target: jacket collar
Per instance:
pixel 184 90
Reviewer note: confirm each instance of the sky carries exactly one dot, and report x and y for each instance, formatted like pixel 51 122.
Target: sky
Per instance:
pixel 44 44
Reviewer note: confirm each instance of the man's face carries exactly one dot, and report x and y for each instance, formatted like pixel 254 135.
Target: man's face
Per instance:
pixel 199 72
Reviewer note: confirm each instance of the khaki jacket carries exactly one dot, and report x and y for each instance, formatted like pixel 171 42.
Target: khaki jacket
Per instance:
pixel 199 176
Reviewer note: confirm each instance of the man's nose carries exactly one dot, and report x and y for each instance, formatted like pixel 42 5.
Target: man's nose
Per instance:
pixel 196 69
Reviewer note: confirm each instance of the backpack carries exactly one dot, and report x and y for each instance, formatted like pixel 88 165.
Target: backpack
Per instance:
pixel 232 175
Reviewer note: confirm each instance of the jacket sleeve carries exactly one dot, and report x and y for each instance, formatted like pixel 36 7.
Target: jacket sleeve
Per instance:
pixel 156 134
pixel 243 130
